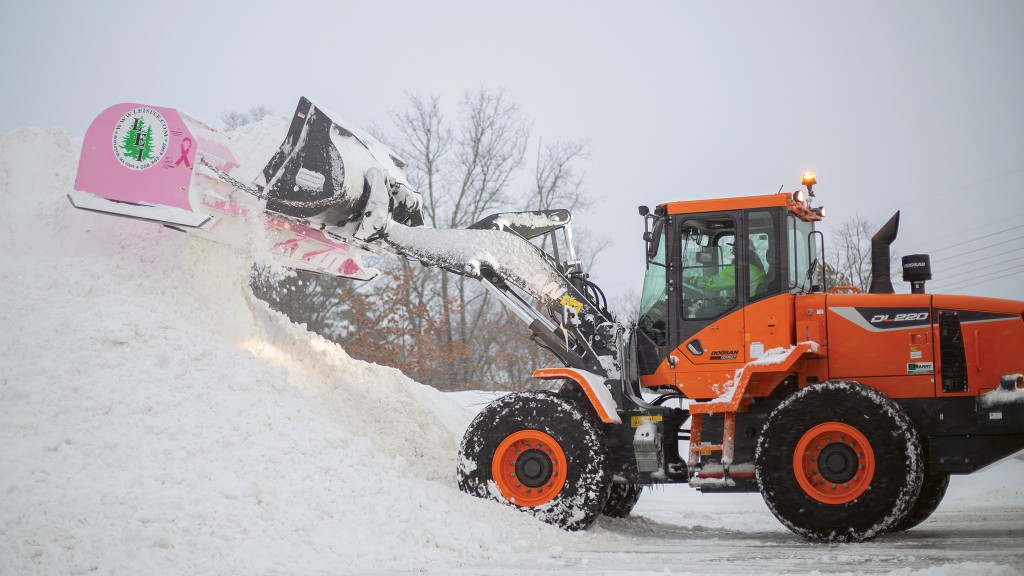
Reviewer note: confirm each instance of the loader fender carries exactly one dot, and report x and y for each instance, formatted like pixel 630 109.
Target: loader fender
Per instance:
pixel 592 385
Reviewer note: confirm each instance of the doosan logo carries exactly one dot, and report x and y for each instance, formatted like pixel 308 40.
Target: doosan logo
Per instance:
pixel 912 317
pixel 914 265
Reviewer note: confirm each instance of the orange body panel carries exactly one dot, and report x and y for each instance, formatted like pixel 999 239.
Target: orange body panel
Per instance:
pixel 768 324
pixel 905 361
pixel 704 376
pixel 994 347
pixel 885 342
pixel 809 320
pixel 723 344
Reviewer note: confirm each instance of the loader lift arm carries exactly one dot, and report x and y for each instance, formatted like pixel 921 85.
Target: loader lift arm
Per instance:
pixel 370 204
pixel 567 314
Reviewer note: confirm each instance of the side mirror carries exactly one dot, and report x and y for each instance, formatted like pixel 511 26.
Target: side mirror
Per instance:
pixel 644 210
pixel 653 239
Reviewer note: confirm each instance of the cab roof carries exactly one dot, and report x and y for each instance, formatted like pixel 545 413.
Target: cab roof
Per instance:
pixel 799 208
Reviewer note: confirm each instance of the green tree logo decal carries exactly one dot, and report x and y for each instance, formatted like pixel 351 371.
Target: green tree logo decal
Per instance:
pixel 140 138
pixel 137 142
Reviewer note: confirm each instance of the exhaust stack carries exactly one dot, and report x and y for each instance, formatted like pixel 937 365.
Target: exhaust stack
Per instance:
pixel 881 282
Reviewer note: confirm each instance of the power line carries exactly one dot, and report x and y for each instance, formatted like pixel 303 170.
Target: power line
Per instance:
pixel 973 261
pixel 980 238
pixel 952 289
pixel 945 276
pixel 968 281
pixel 959 188
pixel 967 285
pixel 897 274
pixel 983 280
pixel 969 252
pixel 945 270
pixel 962 232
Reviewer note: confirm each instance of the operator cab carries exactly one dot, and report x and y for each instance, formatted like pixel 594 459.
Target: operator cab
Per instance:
pixel 708 261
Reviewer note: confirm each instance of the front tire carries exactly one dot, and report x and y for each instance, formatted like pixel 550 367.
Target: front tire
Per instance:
pixel 541 453
pixel 839 462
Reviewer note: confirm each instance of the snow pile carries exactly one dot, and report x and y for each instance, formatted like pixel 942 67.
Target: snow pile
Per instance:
pixel 156 419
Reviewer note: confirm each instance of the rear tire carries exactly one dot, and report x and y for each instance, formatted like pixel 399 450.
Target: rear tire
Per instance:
pixel 541 453
pixel 839 462
pixel 933 489
pixel 621 500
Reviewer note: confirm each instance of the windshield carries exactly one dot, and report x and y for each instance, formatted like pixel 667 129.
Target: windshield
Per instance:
pixel 654 300
pixel 803 255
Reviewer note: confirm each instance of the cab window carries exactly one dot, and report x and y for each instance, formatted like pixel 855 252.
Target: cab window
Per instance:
pixel 763 254
pixel 803 257
pixel 707 258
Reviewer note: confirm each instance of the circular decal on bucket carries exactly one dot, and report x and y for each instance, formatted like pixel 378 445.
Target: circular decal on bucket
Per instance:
pixel 140 138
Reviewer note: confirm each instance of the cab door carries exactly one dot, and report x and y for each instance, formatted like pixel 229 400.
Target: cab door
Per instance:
pixel 709 320
pixel 768 307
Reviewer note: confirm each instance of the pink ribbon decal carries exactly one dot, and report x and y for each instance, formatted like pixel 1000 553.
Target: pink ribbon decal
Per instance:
pixel 184 153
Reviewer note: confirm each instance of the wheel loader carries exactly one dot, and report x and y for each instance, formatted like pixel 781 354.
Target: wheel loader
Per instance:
pixel 745 371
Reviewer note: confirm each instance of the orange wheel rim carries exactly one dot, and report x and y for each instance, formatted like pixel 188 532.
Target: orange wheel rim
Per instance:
pixel 834 463
pixel 529 468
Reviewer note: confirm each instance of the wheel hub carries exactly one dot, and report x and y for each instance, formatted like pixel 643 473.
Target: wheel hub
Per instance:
pixel 834 463
pixel 529 468
pixel 533 468
pixel 837 463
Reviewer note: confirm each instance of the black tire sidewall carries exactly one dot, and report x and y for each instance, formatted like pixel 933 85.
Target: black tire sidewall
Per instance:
pixel 897 455
pixel 587 478
pixel 933 490
pixel 622 498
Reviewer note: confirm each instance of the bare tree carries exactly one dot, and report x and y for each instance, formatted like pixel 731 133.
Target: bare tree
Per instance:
pixel 464 174
pixel 627 307
pixel 425 141
pixel 489 150
pixel 557 184
pixel 235 119
pixel 848 261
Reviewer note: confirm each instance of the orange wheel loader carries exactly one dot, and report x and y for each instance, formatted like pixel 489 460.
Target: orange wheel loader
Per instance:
pixel 847 411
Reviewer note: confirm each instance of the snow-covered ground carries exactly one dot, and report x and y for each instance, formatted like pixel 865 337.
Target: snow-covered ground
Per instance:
pixel 156 419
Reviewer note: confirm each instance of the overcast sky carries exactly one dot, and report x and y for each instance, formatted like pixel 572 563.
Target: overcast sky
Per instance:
pixel 917 106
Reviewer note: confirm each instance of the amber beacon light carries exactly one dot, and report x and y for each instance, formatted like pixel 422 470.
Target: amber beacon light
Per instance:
pixel 809 181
